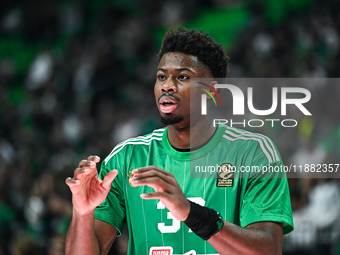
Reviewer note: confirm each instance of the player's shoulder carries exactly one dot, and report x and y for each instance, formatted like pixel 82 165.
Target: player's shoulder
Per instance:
pixel 252 141
pixel 235 134
pixel 143 140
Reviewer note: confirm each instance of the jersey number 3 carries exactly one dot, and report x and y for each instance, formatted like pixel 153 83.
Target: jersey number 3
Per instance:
pixel 176 224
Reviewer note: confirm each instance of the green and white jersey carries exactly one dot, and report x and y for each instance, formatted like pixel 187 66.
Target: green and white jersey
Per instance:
pixel 241 197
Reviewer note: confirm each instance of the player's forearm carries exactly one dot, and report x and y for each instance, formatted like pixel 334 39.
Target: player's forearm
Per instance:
pixel 232 239
pixel 81 238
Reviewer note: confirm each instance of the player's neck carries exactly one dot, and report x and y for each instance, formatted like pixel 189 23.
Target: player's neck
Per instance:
pixel 191 136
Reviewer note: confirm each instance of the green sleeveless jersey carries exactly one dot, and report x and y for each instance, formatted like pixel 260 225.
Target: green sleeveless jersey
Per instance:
pixel 217 176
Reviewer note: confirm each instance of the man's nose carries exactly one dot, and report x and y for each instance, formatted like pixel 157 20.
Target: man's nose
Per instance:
pixel 169 86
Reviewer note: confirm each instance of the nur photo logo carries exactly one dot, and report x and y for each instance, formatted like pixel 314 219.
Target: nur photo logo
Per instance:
pixel 284 98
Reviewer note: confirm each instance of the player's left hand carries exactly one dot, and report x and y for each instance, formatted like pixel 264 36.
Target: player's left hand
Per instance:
pixel 166 189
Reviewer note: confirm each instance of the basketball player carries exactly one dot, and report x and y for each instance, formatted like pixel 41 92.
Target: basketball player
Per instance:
pixel 145 181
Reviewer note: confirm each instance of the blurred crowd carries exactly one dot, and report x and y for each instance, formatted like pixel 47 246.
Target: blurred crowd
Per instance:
pixel 76 78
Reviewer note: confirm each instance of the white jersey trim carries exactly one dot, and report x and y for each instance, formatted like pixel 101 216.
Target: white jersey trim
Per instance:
pixel 145 140
pixel 271 145
pixel 267 148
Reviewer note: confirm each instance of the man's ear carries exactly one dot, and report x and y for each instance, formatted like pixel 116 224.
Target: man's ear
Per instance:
pixel 212 83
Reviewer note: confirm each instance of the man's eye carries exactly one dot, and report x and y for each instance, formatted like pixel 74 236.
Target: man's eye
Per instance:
pixel 161 77
pixel 183 77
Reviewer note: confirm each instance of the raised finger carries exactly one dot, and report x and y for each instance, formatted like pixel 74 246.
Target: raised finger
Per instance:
pixel 71 181
pixel 87 163
pixel 72 184
pixel 150 168
pixel 81 171
pixel 93 158
pixel 154 195
pixel 148 171
pixel 109 178
pixel 154 173
pixel 154 182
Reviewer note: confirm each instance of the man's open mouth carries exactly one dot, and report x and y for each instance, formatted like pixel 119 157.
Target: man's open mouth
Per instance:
pixel 167 105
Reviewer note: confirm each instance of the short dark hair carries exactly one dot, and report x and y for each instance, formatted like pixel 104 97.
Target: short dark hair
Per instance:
pixel 197 43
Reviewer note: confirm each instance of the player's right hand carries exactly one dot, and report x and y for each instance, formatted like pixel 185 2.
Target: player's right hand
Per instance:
pixel 88 190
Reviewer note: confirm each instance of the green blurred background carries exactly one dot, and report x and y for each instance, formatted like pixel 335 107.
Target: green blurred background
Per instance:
pixel 76 78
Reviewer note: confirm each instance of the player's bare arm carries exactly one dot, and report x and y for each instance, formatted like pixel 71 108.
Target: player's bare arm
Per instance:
pixel 257 238
pixel 85 234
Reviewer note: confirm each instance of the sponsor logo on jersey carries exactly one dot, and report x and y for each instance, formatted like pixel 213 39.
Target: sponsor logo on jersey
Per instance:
pixel 164 250
pixel 225 175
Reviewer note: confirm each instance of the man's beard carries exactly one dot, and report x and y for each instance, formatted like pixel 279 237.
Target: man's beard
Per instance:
pixel 171 120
